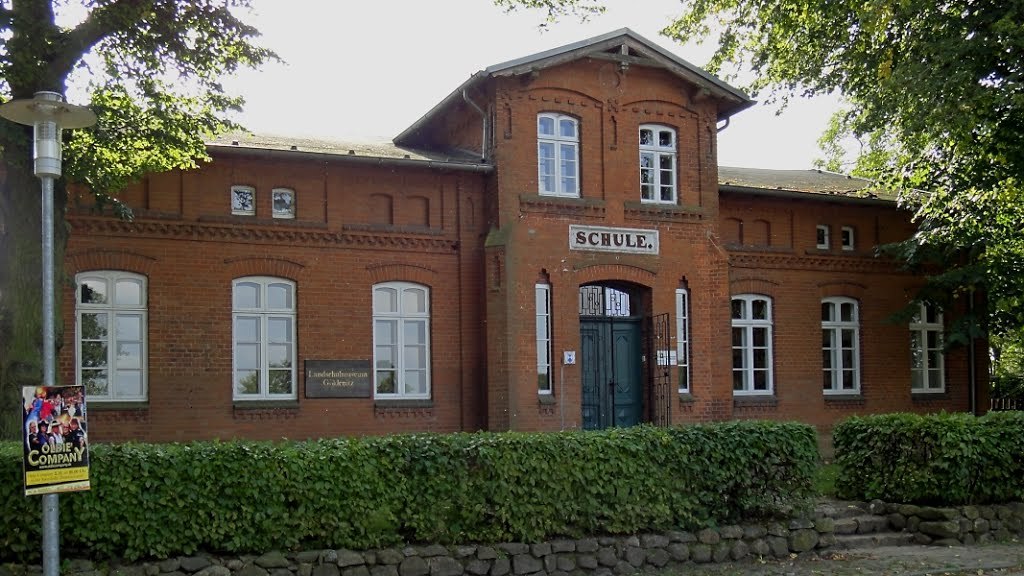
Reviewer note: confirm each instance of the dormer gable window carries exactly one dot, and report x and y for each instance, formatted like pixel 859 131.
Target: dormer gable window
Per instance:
pixel 558 142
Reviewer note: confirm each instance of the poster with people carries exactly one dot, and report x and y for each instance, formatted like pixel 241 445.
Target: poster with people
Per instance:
pixel 56 444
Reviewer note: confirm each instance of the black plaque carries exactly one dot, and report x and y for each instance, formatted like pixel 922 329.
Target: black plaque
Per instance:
pixel 338 378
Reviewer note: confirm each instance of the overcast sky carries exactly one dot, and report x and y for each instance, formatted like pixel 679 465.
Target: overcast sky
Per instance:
pixel 364 71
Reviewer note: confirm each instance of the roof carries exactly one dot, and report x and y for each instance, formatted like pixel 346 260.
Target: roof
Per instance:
pixel 624 46
pixel 375 152
pixel 760 181
pixel 800 183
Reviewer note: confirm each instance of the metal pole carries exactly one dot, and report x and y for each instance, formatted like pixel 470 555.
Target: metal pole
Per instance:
pixel 51 502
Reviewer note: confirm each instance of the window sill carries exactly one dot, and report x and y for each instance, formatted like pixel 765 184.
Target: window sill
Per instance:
pixel 847 399
pixel 662 212
pixel 101 406
pixel 686 398
pixel 920 396
pixel 546 399
pixel 755 400
pixel 571 205
pixel 423 403
pixel 265 404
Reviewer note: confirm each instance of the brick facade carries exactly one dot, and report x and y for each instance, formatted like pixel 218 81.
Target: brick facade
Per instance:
pixel 480 236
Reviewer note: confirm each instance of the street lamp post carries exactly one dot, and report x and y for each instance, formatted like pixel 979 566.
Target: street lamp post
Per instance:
pixel 48 114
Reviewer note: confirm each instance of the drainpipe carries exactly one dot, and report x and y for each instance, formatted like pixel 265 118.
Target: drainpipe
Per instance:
pixel 483 124
pixel 724 126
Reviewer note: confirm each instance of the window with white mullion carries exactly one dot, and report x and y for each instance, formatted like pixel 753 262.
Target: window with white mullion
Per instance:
pixel 657 164
pixel 557 155
pixel 683 339
pixel 264 355
pixel 927 368
pixel 542 304
pixel 840 354
pixel 752 345
pixel 401 341
pixel 110 335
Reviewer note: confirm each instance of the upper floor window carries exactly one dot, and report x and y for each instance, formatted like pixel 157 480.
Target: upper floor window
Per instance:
pixel 110 335
pixel 683 338
pixel 283 202
pixel 751 344
pixel 243 200
pixel 927 372
pixel 543 305
pixel 847 237
pixel 840 346
pixel 401 340
pixel 823 237
pixel 558 144
pixel 263 314
pixel 657 164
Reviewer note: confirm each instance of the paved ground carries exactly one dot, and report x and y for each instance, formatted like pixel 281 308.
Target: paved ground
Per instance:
pixel 993 559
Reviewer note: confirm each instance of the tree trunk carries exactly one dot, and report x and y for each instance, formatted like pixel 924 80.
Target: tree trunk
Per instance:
pixel 21 322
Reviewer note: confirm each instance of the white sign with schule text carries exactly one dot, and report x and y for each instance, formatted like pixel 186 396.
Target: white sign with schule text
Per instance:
pixel 603 239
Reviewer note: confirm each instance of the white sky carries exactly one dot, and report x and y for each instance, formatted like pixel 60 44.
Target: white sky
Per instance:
pixel 364 71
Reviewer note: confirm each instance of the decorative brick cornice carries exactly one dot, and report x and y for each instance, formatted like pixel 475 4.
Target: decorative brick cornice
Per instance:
pixel 214 232
pixel 104 259
pixel 661 213
pixel 557 206
pixel 791 261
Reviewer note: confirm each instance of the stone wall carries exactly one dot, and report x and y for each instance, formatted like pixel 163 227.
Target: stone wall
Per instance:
pixel 600 556
pixel 940 526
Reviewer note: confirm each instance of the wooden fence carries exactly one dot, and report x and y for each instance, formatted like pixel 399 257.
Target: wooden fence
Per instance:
pixel 1001 404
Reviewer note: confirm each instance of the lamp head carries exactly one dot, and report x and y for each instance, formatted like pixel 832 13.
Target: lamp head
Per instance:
pixel 48 114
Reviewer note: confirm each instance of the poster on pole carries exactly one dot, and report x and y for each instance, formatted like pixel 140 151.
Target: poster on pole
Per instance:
pixel 55 439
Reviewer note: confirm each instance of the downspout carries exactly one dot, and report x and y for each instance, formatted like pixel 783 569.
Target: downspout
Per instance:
pixel 483 125
pixel 972 376
pixel 724 126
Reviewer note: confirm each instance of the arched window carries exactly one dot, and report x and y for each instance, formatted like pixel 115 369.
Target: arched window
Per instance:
pixel 751 344
pixel 840 346
pixel 657 164
pixel 263 314
pixel 110 335
pixel 401 340
pixel 558 141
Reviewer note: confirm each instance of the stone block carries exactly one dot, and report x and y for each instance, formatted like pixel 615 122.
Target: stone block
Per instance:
pixel 635 556
pixel 464 551
pixel 444 566
pixel 779 546
pixel 679 551
pixel 657 557
pixel 389 556
pixel 709 536
pixel 897 521
pixel 348 558
pixel 550 563
pixel 559 546
pixel 823 525
pixel 845 526
pixel 540 549
pixel 754 531
pixel 526 564
pixel 478 567
pixel 565 562
pixel 803 540
pixel 684 537
pixel 622 568
pixel 413 566
pixel 720 552
pixel 940 528
pixel 387 570
pixel 254 570
pixel 513 548
pixel 587 545
pixel 501 567
pixel 700 553
pixel 587 561
pixel 606 556
pixel 801 524
pixel 739 550
pixel 980 526
pixel 192 564
pixel 272 559
pixel 653 541
pixel 970 512
pixel 760 548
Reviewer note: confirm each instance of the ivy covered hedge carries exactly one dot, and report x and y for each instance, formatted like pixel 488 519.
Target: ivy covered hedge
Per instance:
pixel 156 500
pixel 942 459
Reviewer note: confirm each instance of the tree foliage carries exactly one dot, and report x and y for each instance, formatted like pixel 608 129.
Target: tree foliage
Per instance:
pixel 151 70
pixel 935 98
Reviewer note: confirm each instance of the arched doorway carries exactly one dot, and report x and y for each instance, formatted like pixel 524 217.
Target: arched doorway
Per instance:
pixel 611 355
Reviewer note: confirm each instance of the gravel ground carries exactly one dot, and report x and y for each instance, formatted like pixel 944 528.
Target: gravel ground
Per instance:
pixel 1005 559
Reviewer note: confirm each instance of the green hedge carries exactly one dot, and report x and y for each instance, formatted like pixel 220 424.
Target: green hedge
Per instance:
pixel 164 499
pixel 942 459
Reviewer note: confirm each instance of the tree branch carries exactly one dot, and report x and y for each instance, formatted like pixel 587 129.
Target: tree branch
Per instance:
pixel 100 23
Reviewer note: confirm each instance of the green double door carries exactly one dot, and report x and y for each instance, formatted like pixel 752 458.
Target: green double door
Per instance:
pixel 610 362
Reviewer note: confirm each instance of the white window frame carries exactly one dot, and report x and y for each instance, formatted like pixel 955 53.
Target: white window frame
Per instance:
pixel 542 293
pixel 834 329
pixel 286 214
pixel 683 339
pixel 748 325
pixel 566 150
pixel 235 190
pixel 264 313
pixel 920 376
pixel 848 246
pixel 113 309
pixel 400 318
pixel 828 236
pixel 656 152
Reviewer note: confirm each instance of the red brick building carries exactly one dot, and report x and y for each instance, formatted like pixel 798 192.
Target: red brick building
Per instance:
pixel 551 246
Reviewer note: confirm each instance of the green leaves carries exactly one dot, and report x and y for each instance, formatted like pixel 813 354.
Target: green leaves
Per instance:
pixel 244 497
pixel 936 459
